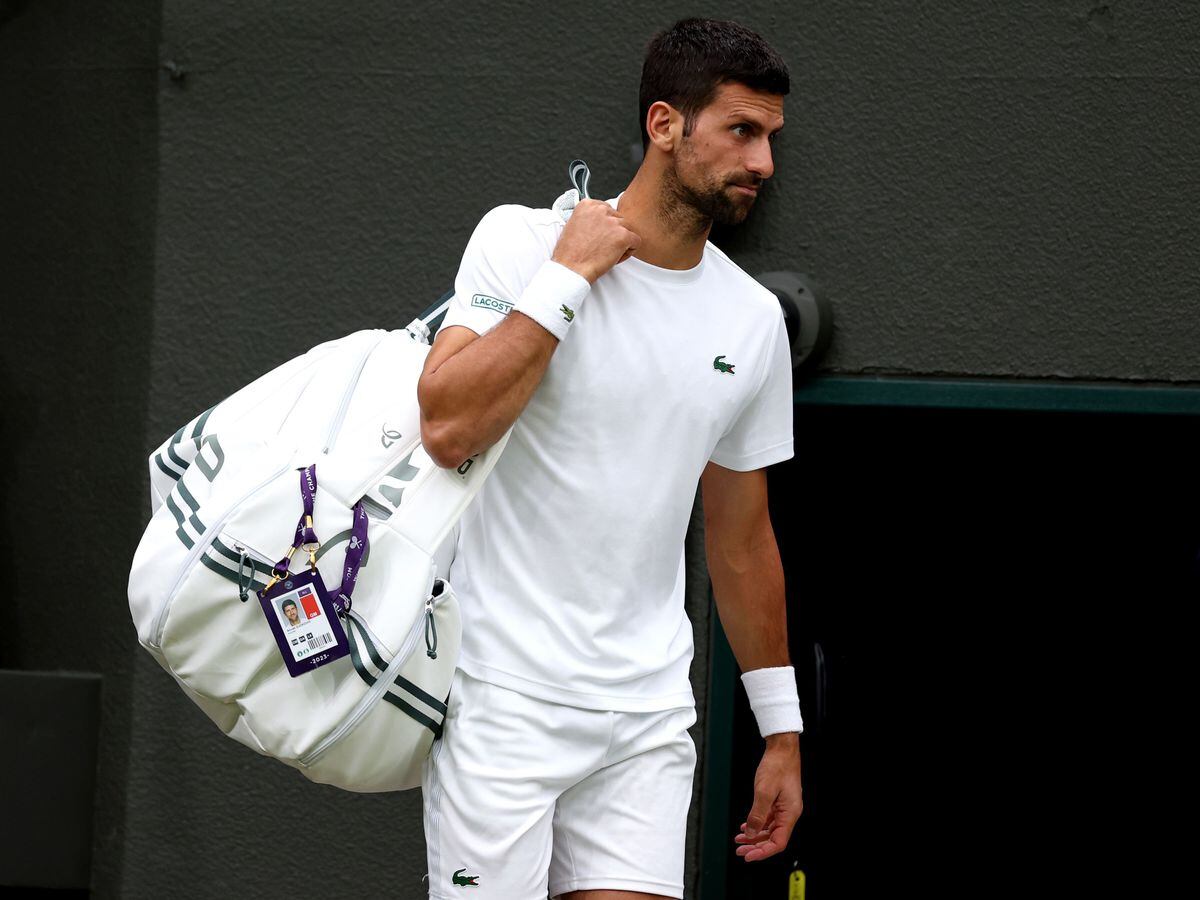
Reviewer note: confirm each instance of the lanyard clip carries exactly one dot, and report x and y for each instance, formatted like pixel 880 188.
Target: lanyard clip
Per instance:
pixel 310 547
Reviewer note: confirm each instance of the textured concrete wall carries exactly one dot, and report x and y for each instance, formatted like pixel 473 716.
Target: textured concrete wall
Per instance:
pixel 996 189
pixel 77 156
pixel 993 190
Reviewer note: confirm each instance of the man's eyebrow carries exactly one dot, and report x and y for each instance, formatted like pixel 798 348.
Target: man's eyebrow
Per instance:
pixel 749 121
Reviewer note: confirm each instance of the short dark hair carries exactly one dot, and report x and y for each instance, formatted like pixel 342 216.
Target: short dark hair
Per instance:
pixel 686 63
pixel 287 603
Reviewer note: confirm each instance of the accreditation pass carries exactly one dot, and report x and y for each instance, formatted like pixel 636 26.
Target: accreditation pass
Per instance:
pixel 304 623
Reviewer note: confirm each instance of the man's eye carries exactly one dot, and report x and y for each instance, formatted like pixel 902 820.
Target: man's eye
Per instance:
pixel 736 127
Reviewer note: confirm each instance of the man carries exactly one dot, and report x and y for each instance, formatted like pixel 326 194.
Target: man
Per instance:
pixel 635 359
pixel 293 614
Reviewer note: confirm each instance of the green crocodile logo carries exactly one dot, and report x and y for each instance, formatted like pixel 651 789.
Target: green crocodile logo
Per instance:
pixel 463 880
pixel 568 313
pixel 723 366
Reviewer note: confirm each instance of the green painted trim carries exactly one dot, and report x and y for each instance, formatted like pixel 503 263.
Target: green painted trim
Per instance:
pixel 982 393
pixel 718 758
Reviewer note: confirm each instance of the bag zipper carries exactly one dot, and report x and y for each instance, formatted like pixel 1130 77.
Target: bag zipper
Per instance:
pixel 380 686
pixel 201 546
pixel 253 554
pixel 336 425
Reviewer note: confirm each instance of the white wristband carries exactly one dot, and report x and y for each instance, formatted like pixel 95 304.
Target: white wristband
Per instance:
pixel 553 296
pixel 774 699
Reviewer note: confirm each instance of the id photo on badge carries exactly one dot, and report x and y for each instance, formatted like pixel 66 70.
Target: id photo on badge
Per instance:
pixel 291 615
pixel 295 610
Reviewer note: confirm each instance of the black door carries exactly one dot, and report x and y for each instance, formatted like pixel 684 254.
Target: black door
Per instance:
pixel 989 614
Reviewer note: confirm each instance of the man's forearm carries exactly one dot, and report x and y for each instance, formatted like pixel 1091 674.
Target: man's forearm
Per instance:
pixel 749 591
pixel 472 398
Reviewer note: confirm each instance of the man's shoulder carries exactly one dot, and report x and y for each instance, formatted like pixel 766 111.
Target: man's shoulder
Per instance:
pixel 507 217
pixel 750 292
pixel 508 246
pixel 516 234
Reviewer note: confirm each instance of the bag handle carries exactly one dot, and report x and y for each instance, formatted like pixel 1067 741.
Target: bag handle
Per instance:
pixel 426 325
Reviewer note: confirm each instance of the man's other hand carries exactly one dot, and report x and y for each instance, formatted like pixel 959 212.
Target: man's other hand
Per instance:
pixel 778 799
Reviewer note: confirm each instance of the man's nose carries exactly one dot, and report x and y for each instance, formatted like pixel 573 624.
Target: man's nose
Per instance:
pixel 760 162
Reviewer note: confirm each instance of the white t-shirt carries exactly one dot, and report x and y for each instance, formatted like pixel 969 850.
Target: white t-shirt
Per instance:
pixel 569 564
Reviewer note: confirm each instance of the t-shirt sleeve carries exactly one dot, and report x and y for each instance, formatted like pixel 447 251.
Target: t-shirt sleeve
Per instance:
pixel 503 254
pixel 762 432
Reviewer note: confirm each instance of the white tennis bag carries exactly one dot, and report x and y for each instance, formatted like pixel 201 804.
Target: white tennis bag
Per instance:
pixel 225 493
pixel 330 439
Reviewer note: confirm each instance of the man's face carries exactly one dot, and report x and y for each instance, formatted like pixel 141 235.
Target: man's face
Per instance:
pixel 292 614
pixel 730 146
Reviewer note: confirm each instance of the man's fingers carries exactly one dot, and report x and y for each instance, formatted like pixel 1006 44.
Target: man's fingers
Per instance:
pixel 760 811
pixel 770 818
pixel 748 834
pixel 773 838
pixel 761 851
pixel 777 805
pixel 747 838
pixel 632 241
pixel 769 846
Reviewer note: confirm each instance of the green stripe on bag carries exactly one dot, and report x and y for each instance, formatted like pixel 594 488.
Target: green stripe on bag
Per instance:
pixel 407 708
pixel 184 537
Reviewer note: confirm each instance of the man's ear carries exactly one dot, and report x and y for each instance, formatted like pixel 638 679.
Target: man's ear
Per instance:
pixel 664 124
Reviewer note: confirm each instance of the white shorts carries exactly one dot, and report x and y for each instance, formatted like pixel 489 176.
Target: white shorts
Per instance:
pixel 524 796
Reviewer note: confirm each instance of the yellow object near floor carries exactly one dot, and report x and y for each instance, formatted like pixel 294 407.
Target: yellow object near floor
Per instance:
pixel 796 885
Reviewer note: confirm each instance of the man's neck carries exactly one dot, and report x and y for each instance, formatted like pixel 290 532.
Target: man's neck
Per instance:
pixel 672 237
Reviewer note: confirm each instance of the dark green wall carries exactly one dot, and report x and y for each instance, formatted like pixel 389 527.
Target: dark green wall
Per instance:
pixel 78 157
pixel 196 192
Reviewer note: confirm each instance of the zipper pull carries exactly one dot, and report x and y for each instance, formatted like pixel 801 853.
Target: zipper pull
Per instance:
pixel 244 583
pixel 430 648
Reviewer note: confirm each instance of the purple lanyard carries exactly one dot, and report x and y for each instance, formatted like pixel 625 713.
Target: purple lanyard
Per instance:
pixel 306 539
pixel 305 536
pixel 354 554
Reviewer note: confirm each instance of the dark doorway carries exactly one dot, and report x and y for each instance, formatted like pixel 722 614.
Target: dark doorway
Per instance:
pixel 989 614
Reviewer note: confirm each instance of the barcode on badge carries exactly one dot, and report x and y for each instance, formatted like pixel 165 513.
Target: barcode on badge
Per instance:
pixel 321 640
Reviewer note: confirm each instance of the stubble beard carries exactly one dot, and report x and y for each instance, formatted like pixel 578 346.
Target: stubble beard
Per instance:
pixel 694 208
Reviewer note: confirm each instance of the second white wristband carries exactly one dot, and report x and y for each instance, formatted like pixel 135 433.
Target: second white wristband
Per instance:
pixel 774 699
pixel 553 297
